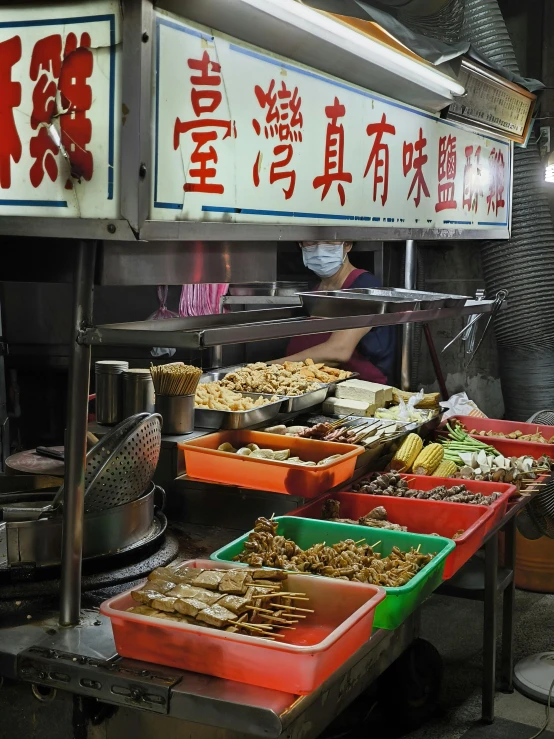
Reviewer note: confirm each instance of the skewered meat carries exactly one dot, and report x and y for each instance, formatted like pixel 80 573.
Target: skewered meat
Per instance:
pixel 346 559
pixel 392 484
pixel 377 518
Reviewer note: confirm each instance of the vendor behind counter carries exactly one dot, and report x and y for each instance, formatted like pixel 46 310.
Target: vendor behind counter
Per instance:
pixel 369 351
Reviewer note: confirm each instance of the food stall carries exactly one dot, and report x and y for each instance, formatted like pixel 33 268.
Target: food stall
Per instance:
pixel 134 135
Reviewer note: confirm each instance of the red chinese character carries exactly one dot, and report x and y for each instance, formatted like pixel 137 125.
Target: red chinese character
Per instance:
pixel 472 179
pixel 495 199
pixel 447 173
pixel 68 75
pixel 284 120
pixel 334 153
pixel 379 156
pixel 10 98
pixel 46 63
pixel 416 163
pixel 204 102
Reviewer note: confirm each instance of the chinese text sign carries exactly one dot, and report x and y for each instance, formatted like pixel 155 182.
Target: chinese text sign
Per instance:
pixel 243 136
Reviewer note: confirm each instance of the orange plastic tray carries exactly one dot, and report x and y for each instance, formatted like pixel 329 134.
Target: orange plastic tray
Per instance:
pixel 203 461
pixel 298 664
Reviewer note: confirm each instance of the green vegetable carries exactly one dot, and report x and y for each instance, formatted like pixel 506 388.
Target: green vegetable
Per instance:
pixel 460 441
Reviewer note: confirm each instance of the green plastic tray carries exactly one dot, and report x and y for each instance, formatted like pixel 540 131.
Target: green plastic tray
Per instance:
pixel 400 602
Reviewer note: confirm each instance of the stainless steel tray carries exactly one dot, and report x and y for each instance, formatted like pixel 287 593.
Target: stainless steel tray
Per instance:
pixel 291 403
pixel 211 419
pixel 426 300
pixel 338 303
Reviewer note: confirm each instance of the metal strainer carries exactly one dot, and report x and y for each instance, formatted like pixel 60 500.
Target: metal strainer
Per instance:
pixel 121 465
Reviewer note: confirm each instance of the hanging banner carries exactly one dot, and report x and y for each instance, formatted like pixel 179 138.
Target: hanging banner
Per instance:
pixel 59 107
pixel 243 136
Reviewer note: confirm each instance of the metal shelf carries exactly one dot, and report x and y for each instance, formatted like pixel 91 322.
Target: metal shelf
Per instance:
pixel 256 325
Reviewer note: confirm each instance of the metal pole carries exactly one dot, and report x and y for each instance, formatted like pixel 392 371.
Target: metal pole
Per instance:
pixel 408 329
pixel 76 438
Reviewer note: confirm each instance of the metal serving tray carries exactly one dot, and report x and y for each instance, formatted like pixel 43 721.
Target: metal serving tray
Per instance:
pixel 426 300
pixel 338 303
pixel 295 403
pixel 291 403
pixel 211 419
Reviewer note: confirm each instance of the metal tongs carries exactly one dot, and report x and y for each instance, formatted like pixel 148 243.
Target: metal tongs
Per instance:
pixel 501 296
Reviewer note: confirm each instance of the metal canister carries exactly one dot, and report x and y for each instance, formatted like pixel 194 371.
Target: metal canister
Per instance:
pixel 177 412
pixel 109 406
pixel 138 392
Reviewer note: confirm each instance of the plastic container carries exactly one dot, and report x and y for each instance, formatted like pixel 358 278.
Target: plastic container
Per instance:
pixel 298 664
pixel 506 427
pixel 420 516
pixel 203 461
pixel 401 601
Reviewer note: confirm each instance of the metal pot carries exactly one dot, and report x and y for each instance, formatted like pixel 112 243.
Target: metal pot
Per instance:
pixel 106 532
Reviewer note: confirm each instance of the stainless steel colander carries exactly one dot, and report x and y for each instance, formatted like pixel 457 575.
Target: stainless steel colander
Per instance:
pixel 121 465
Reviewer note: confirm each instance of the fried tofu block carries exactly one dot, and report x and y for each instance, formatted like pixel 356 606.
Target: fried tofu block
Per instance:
pixel 235 582
pixel 183 591
pixel 161 573
pixel 269 575
pixel 209 597
pixel 209 579
pixel 186 574
pixel 216 616
pixel 143 610
pixel 164 603
pixel 234 603
pixel 256 590
pixel 171 617
pixel 190 606
pixel 144 596
pixel 161 586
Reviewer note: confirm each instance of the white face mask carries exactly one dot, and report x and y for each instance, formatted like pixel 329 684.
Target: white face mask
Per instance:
pixel 325 259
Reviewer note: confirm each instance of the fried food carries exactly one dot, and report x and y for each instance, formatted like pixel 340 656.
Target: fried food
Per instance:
pixel 347 560
pixel 393 484
pixel 223 599
pixel 272 378
pixel 215 397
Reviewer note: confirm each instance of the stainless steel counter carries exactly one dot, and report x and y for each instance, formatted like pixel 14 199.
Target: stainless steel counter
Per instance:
pixel 82 660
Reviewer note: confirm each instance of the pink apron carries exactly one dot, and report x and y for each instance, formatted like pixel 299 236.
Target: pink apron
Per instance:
pixel 357 363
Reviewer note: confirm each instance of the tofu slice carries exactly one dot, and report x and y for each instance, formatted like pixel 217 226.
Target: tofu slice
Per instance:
pixel 235 603
pixel 209 579
pixel 341 406
pixel 209 597
pixel 144 596
pixel 269 575
pixel 161 573
pixel 190 606
pixel 161 586
pixel 235 582
pixel 164 603
pixel 143 610
pixel 216 616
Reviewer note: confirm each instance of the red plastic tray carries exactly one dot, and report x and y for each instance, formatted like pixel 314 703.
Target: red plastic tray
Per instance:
pixel 321 643
pixel 506 427
pixel 420 516
pixel 203 461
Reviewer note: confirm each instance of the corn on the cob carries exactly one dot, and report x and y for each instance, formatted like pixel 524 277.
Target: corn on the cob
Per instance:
pixel 428 459
pixel 430 400
pixel 446 468
pixel 407 453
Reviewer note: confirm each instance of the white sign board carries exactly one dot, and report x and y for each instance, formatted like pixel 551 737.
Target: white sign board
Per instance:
pixel 244 136
pixel 60 110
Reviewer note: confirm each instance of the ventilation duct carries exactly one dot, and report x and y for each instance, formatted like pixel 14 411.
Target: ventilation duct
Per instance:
pixel 524 265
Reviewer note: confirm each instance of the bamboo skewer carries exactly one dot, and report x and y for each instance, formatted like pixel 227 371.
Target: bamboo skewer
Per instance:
pixel 175 378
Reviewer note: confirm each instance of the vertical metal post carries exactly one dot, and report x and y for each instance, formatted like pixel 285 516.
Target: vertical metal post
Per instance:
pixel 489 629
pixel 76 444
pixel 408 329
pixel 507 664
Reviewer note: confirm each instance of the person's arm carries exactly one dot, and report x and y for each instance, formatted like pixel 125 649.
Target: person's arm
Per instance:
pixel 339 348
